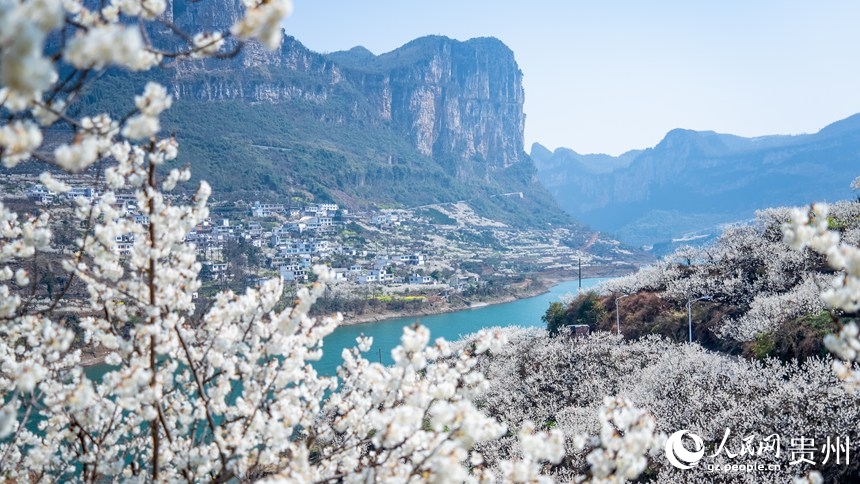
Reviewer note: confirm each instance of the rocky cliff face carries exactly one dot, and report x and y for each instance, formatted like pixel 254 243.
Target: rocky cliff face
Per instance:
pixel 195 16
pixel 258 75
pixel 460 103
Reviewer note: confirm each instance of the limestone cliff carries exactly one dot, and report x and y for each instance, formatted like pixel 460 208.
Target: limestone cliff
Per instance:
pixel 460 103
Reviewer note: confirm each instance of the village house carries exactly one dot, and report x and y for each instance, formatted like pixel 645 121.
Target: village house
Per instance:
pixel 293 273
pixel 217 270
pixel 279 240
pixel 261 210
pixel 320 247
pixel 305 223
pixel 460 282
pixel 413 259
pixel 87 193
pixel 311 209
pixel 421 279
pixel 213 252
pixel 340 274
pixel 123 244
pixel 384 261
pixel 41 194
pixel 224 230
pixel 367 278
pixel 347 251
pixel 254 229
pixel 386 220
pixel 381 276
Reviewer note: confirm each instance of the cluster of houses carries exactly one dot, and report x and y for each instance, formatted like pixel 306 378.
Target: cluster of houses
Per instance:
pixel 44 196
pixel 380 271
pixel 124 203
pixel 301 240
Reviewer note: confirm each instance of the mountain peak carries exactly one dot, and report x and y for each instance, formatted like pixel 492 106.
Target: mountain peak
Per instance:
pixel 361 51
pixel 681 135
pixel 540 153
pixel 356 57
pixel 489 43
pixel 686 141
pixel 851 124
pixel 488 51
pixel 440 40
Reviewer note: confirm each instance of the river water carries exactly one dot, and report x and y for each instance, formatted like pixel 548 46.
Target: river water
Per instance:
pixel 451 326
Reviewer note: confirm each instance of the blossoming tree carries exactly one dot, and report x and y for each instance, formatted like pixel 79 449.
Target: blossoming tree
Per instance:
pixel 229 395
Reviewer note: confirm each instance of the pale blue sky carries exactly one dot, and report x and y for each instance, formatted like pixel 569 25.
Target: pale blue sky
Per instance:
pixel 608 76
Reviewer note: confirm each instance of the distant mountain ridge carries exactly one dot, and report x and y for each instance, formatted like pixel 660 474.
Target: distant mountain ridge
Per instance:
pixel 565 158
pixel 693 181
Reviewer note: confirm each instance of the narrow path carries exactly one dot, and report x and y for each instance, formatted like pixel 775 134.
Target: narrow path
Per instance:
pixel 591 241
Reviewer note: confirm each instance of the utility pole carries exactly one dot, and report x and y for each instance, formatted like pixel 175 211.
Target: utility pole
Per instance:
pixel 580 274
pixel 690 318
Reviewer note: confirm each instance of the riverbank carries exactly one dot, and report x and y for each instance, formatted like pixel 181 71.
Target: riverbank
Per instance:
pixel 540 285
pixel 443 307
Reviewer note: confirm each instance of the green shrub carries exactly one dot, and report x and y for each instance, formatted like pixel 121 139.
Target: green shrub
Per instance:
pixel 763 346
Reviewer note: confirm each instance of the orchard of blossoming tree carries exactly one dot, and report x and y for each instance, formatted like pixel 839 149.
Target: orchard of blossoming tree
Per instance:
pixel 227 392
pixel 784 286
pixel 223 393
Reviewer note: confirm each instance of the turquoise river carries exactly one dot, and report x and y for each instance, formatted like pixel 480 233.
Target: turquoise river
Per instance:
pixel 451 326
